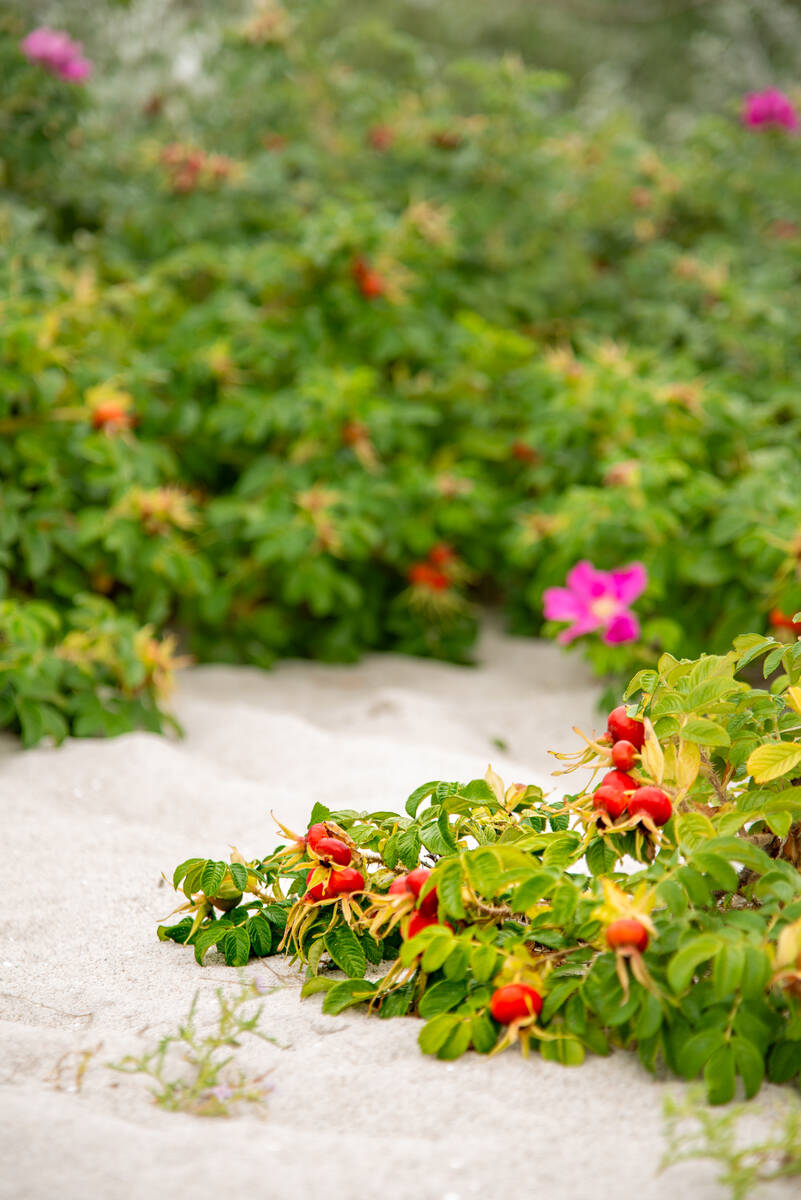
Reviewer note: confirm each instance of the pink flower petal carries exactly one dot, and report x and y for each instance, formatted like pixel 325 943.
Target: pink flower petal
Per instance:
pixel 623 628
pixel 559 604
pixel 586 581
pixel 629 582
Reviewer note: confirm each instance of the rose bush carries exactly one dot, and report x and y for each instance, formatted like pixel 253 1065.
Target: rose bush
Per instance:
pixel 498 915
pixel 262 357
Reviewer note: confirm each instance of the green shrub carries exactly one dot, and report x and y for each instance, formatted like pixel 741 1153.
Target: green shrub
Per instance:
pixel 261 356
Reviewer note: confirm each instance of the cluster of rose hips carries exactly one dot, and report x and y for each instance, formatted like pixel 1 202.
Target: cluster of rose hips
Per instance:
pixel 434 571
pixel 619 792
pixel 331 852
pixel 188 167
pixel 370 282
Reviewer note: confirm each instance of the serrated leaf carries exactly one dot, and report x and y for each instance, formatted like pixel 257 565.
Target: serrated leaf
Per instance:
pixel 719 1076
pixel 696 1051
pixel 183 867
pixel 236 947
pixel 239 874
pixel 317 983
pixel 483 1033
pixel 260 934
pixel 601 856
pixel 346 951
pixel 418 796
pixel 688 764
pixel 212 877
pixel 205 939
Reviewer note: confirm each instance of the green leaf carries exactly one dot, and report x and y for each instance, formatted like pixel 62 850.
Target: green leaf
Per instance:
pixel 436 1032
pixel 347 993
pixel 418 796
pixel 398 1002
pixel 260 934
pixel 457 1041
pixel 437 950
pixel 697 1050
pixel 727 970
pixel 442 997
pixel 483 871
pixel 483 1033
pixel 408 845
pixel 601 856
pixel 719 1076
pixel 449 888
pixel 750 1065
pixel 239 874
pixel 236 947
pixel 564 1049
pixel 685 961
pixel 206 939
pixel 704 732
pixel 212 877
pixel 182 869
pixel 346 951
pixel 317 983
pixel 483 963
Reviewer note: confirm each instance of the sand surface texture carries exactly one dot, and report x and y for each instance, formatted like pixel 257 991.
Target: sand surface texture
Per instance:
pixel 355 1107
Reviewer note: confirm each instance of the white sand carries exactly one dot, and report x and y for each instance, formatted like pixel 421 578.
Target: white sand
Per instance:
pixel 355 1107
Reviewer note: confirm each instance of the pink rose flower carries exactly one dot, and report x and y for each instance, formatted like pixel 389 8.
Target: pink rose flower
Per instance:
pixel 598 600
pixel 770 107
pixel 58 53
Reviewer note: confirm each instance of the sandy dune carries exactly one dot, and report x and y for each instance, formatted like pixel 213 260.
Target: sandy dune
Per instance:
pixel 355 1106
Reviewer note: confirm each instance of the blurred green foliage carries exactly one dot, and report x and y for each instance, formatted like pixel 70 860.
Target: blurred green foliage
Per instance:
pixel 273 338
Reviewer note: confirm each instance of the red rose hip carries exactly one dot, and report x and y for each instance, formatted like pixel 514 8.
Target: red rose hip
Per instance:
pixel 620 780
pixel 626 729
pixel 333 850
pixel 515 1002
pixel 349 880
pixel 611 800
pixel 652 802
pixel 627 934
pixel 623 755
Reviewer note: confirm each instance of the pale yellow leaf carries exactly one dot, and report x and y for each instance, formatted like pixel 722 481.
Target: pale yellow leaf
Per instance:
pixel 495 783
pixel 688 763
pixel 653 760
pixel 773 760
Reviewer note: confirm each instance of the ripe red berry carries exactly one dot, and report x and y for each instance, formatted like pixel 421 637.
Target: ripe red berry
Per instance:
pixel 398 886
pixel 653 802
pixel 111 417
pixel 418 922
pixel 320 891
pixel 441 554
pixel 415 881
pixel 515 1002
pixel 620 780
pixel 349 880
pixel 316 832
pixel 611 799
pixel 334 851
pixel 626 933
pixel 626 729
pixel 623 755
pixel 525 453
pixel 425 575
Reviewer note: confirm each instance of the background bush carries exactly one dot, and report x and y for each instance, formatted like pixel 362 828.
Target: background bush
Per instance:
pixel 580 342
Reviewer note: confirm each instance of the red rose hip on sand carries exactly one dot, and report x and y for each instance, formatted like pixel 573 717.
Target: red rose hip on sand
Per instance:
pixel 627 934
pixel 652 802
pixel 623 755
pixel 515 1002
pixel 626 729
